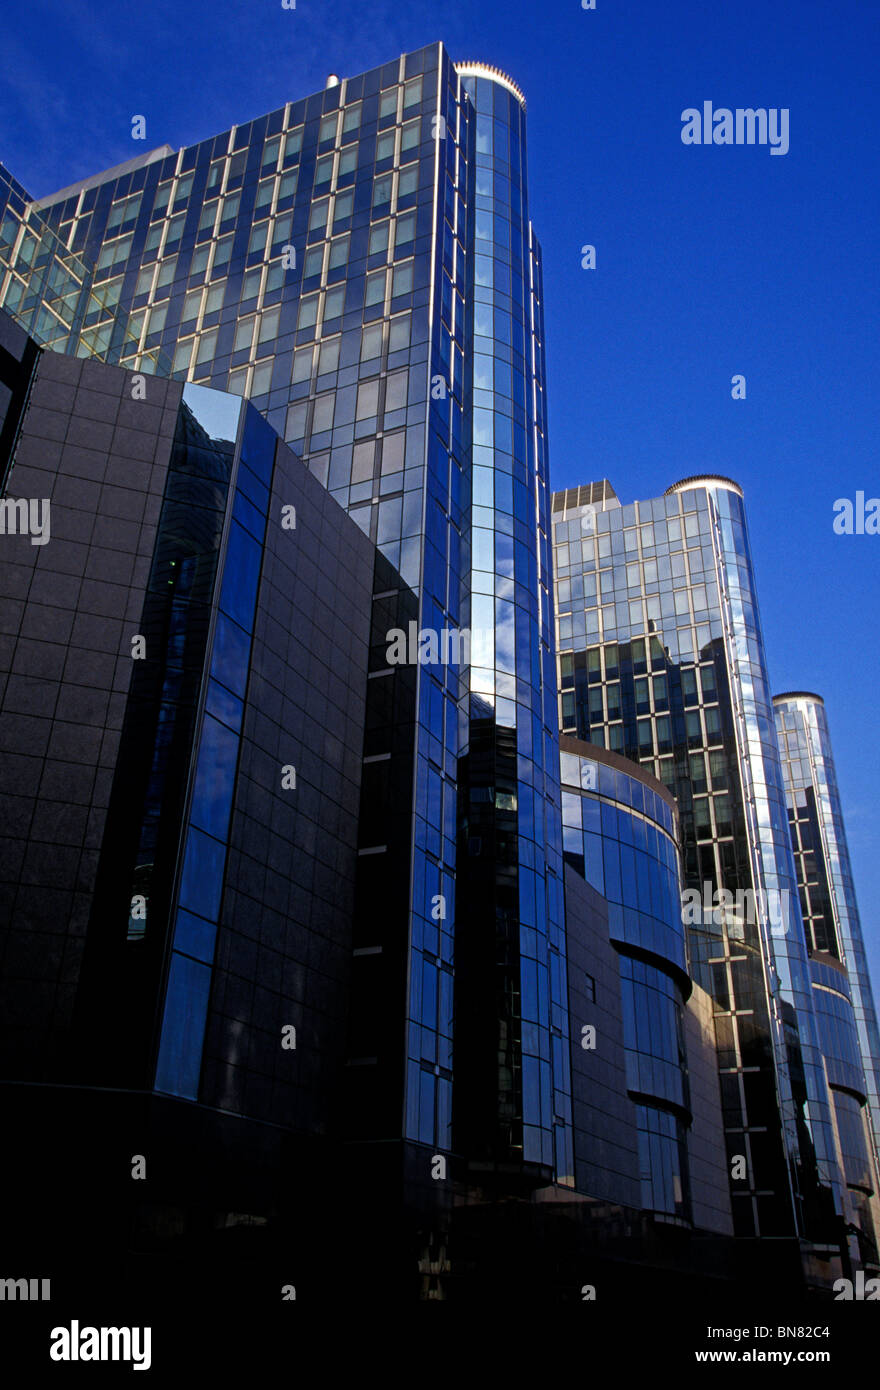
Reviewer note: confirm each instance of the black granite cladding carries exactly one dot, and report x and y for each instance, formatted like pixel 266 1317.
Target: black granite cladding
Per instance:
pixel 67 608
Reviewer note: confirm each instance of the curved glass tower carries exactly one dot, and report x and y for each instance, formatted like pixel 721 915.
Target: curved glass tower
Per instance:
pixel 620 831
pixel 513 1107
pixel 842 993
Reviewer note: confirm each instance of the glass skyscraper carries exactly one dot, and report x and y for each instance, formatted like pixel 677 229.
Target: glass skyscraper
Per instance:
pixel 842 991
pixel 361 265
pixel 661 659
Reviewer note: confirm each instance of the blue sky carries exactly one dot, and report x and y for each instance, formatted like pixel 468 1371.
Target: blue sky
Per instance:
pixel 710 261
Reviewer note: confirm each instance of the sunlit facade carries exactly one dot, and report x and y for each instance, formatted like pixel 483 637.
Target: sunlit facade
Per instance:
pixel 361 265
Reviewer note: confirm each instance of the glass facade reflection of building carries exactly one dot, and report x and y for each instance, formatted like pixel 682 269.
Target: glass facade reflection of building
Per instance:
pixel 510 909
pixel 842 991
pixel 661 659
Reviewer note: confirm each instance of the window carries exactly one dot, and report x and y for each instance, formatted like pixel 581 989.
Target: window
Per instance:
pixel 323 174
pixel 302 364
pixel 378 238
pixel 229 209
pixel 270 156
pixel 257 242
pixel 250 285
pixel 262 378
pixel 158 315
pixel 334 302
pixel 385 146
pixel 183 189
pixel 371 342
pixel 207 347
pixel 214 299
pixel 191 305
pixel 351 120
pixel 114 254
pixel 318 216
pixel 329 356
pixel 296 422
pixel 222 253
pixel 314 262
pixel 293 145
pixel 208 217
pixel 362 462
pixel 121 215
pixel 166 275
pixel 308 312
pixel 263 203
pixel 182 356
pixel 408 181
pixel 402 280
pixel 269 325
pixel 339 252
pixel 395 390
pixel 388 104
pixel 160 203
pixel 174 234
pixel 244 335
pixel 199 264
pixel 409 141
pixel 287 185
pixel 382 191
pixel 393 446
pixel 375 289
pixel 323 414
pixel 327 128
pixel 404 230
pixel 697 767
pixel 399 334
pixel 151 245
pixel 343 207
pixel 368 399
pixel 235 172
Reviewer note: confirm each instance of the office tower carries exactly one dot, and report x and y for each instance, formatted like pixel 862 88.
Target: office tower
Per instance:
pixel 661 659
pixel 842 992
pixel 362 266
